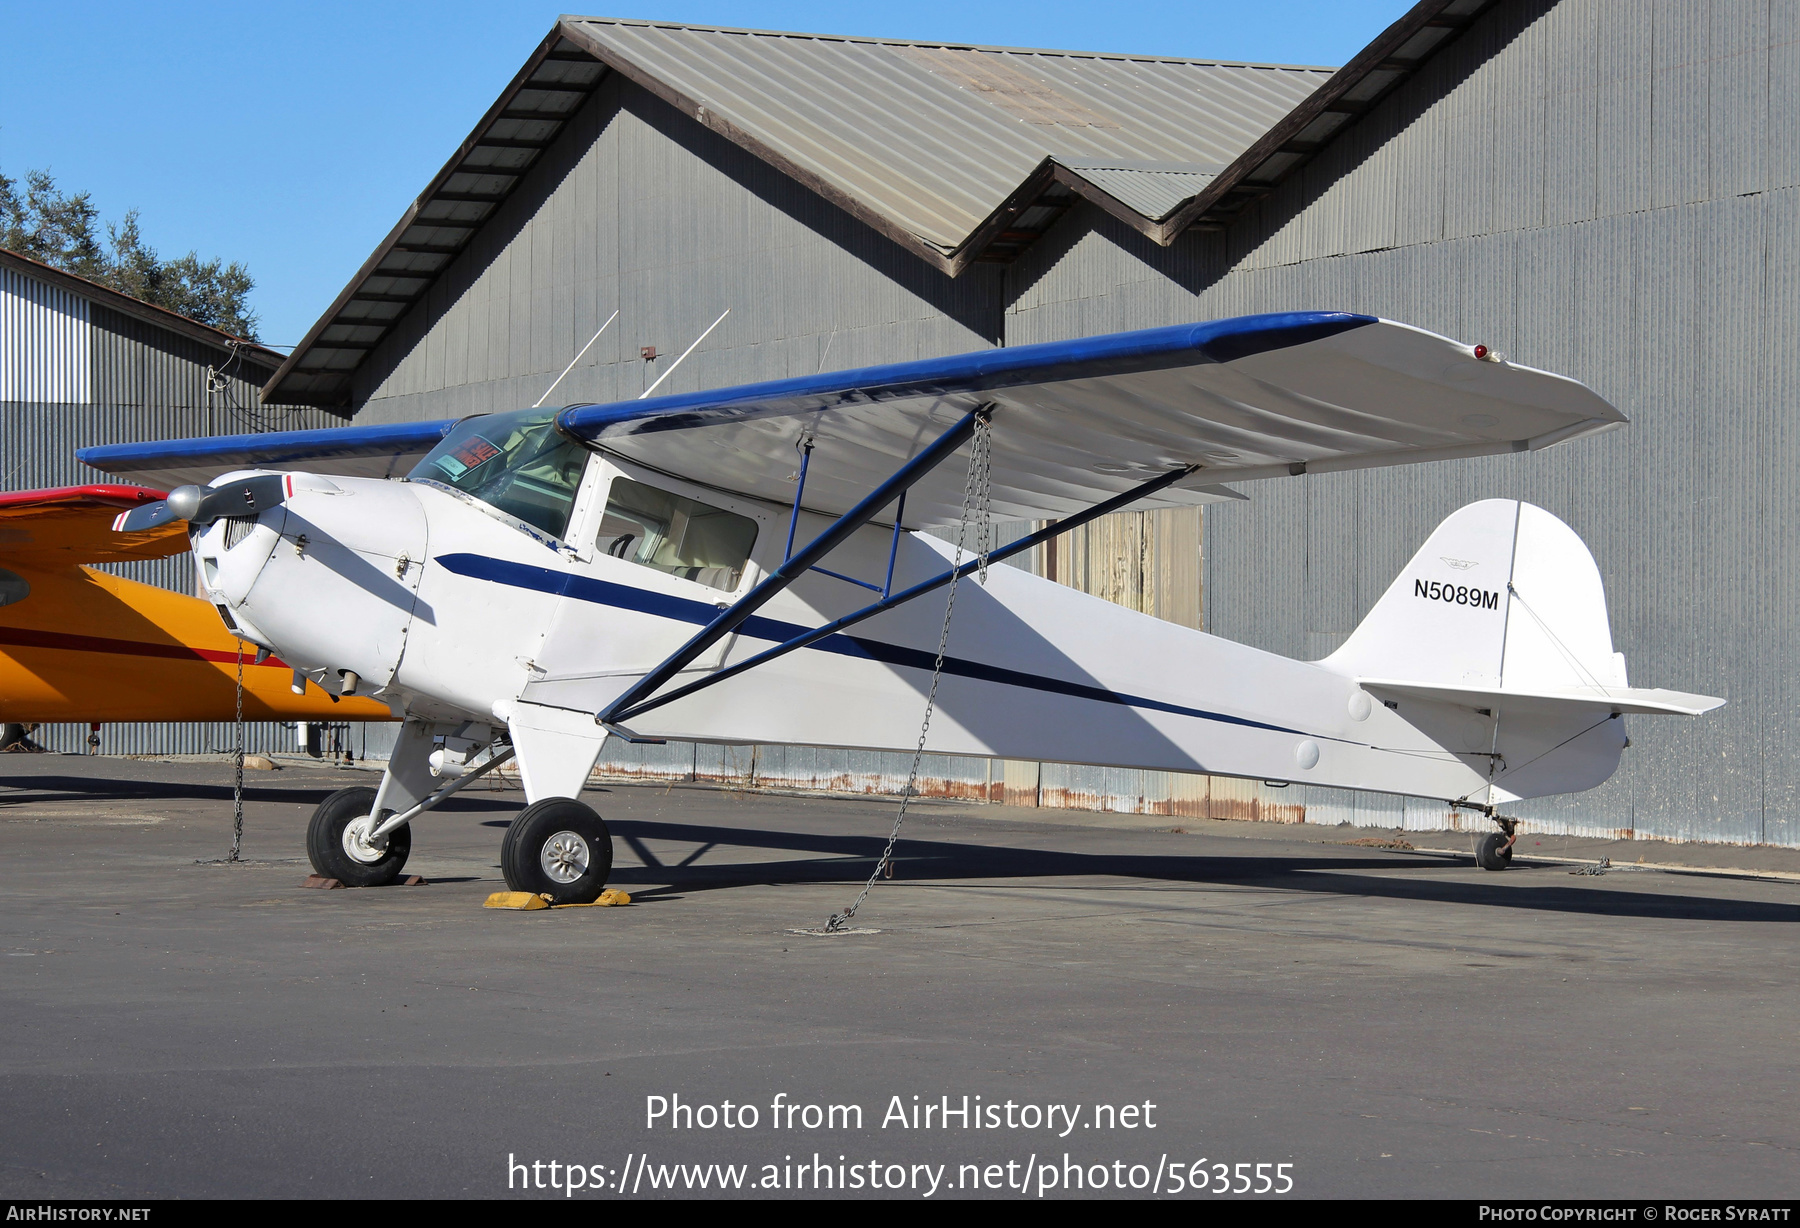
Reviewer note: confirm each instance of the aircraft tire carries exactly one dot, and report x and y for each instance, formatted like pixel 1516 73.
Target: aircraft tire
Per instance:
pixel 1493 851
pixel 560 848
pixel 330 854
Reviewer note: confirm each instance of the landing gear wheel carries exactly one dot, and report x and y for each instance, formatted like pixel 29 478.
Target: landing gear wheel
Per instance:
pixel 559 848
pixel 337 841
pixel 1494 851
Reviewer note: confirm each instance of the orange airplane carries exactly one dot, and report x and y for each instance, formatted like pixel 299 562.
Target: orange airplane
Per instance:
pixel 77 644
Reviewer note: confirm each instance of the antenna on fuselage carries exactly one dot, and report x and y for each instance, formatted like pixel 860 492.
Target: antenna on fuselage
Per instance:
pixel 576 359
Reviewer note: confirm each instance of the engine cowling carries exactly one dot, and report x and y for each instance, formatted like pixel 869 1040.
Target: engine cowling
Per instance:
pixel 329 580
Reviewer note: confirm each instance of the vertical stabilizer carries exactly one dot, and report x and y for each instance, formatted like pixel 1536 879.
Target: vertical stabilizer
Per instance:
pixel 1503 596
pixel 1443 619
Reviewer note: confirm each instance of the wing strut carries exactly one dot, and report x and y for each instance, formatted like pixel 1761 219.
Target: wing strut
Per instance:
pixel 795 565
pixel 638 699
pixel 799 494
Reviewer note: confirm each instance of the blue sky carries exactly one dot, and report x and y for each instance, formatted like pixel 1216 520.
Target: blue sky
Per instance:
pixel 292 136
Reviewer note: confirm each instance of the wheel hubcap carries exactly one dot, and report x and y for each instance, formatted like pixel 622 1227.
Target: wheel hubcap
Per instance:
pixel 357 845
pixel 564 857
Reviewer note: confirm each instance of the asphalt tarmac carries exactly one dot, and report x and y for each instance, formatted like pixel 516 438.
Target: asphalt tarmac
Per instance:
pixel 1383 1023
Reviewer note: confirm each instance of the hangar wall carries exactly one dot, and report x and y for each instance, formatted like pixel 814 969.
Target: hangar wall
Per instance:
pixel 1615 200
pixel 75 373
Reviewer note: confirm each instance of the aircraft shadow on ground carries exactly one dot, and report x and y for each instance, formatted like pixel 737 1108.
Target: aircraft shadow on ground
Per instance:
pixel 847 859
pixel 49 790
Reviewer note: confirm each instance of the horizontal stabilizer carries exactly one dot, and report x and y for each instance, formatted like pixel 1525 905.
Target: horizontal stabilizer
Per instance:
pixel 1640 700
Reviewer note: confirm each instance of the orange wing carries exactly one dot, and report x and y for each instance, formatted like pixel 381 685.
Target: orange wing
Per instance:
pixel 73 524
pixel 81 645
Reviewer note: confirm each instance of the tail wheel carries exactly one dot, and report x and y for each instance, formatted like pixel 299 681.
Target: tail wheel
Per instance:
pixel 338 844
pixel 559 848
pixel 1494 851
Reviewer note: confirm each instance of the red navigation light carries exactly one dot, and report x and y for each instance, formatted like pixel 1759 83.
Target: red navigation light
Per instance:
pixel 1481 351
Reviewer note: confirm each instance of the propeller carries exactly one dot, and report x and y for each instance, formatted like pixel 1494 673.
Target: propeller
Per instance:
pixel 205 504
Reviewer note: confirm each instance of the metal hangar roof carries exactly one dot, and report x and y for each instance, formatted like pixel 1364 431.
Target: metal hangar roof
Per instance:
pixel 958 153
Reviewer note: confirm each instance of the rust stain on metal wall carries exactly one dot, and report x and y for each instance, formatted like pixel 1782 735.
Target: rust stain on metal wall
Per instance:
pixel 799 770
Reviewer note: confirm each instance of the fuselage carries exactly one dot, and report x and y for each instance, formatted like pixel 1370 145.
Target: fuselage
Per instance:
pixel 451 609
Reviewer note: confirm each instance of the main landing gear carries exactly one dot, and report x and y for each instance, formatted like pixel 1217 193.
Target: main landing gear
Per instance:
pixel 560 848
pixel 557 847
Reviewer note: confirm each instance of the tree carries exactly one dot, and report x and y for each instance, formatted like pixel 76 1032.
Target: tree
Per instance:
pixel 49 227
pixel 60 230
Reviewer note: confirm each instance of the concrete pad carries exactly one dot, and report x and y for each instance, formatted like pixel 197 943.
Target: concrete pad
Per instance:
pixel 1386 1023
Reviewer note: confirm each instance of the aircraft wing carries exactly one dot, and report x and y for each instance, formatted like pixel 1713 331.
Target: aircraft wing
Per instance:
pixel 1075 422
pixel 1078 422
pixel 73 524
pixel 385 450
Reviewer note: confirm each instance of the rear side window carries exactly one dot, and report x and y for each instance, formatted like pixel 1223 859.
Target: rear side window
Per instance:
pixel 683 537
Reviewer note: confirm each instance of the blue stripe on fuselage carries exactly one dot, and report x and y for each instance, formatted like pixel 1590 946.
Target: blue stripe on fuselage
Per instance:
pixel 699 613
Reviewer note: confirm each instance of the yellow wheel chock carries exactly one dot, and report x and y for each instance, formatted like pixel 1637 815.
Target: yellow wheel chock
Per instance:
pixel 525 901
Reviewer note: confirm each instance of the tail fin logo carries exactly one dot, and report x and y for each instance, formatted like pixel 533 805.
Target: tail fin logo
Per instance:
pixel 1460 564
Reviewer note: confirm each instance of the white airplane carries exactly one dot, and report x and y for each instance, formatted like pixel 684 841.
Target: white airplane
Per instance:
pixel 743 565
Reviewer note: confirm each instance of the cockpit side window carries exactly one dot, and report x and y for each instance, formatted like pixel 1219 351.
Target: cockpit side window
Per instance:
pixel 515 463
pixel 683 537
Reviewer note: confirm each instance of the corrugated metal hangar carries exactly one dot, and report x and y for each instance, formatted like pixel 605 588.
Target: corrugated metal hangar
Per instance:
pixel 1605 195
pixel 81 364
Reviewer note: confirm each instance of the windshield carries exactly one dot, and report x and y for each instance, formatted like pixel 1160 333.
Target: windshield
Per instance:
pixel 515 463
